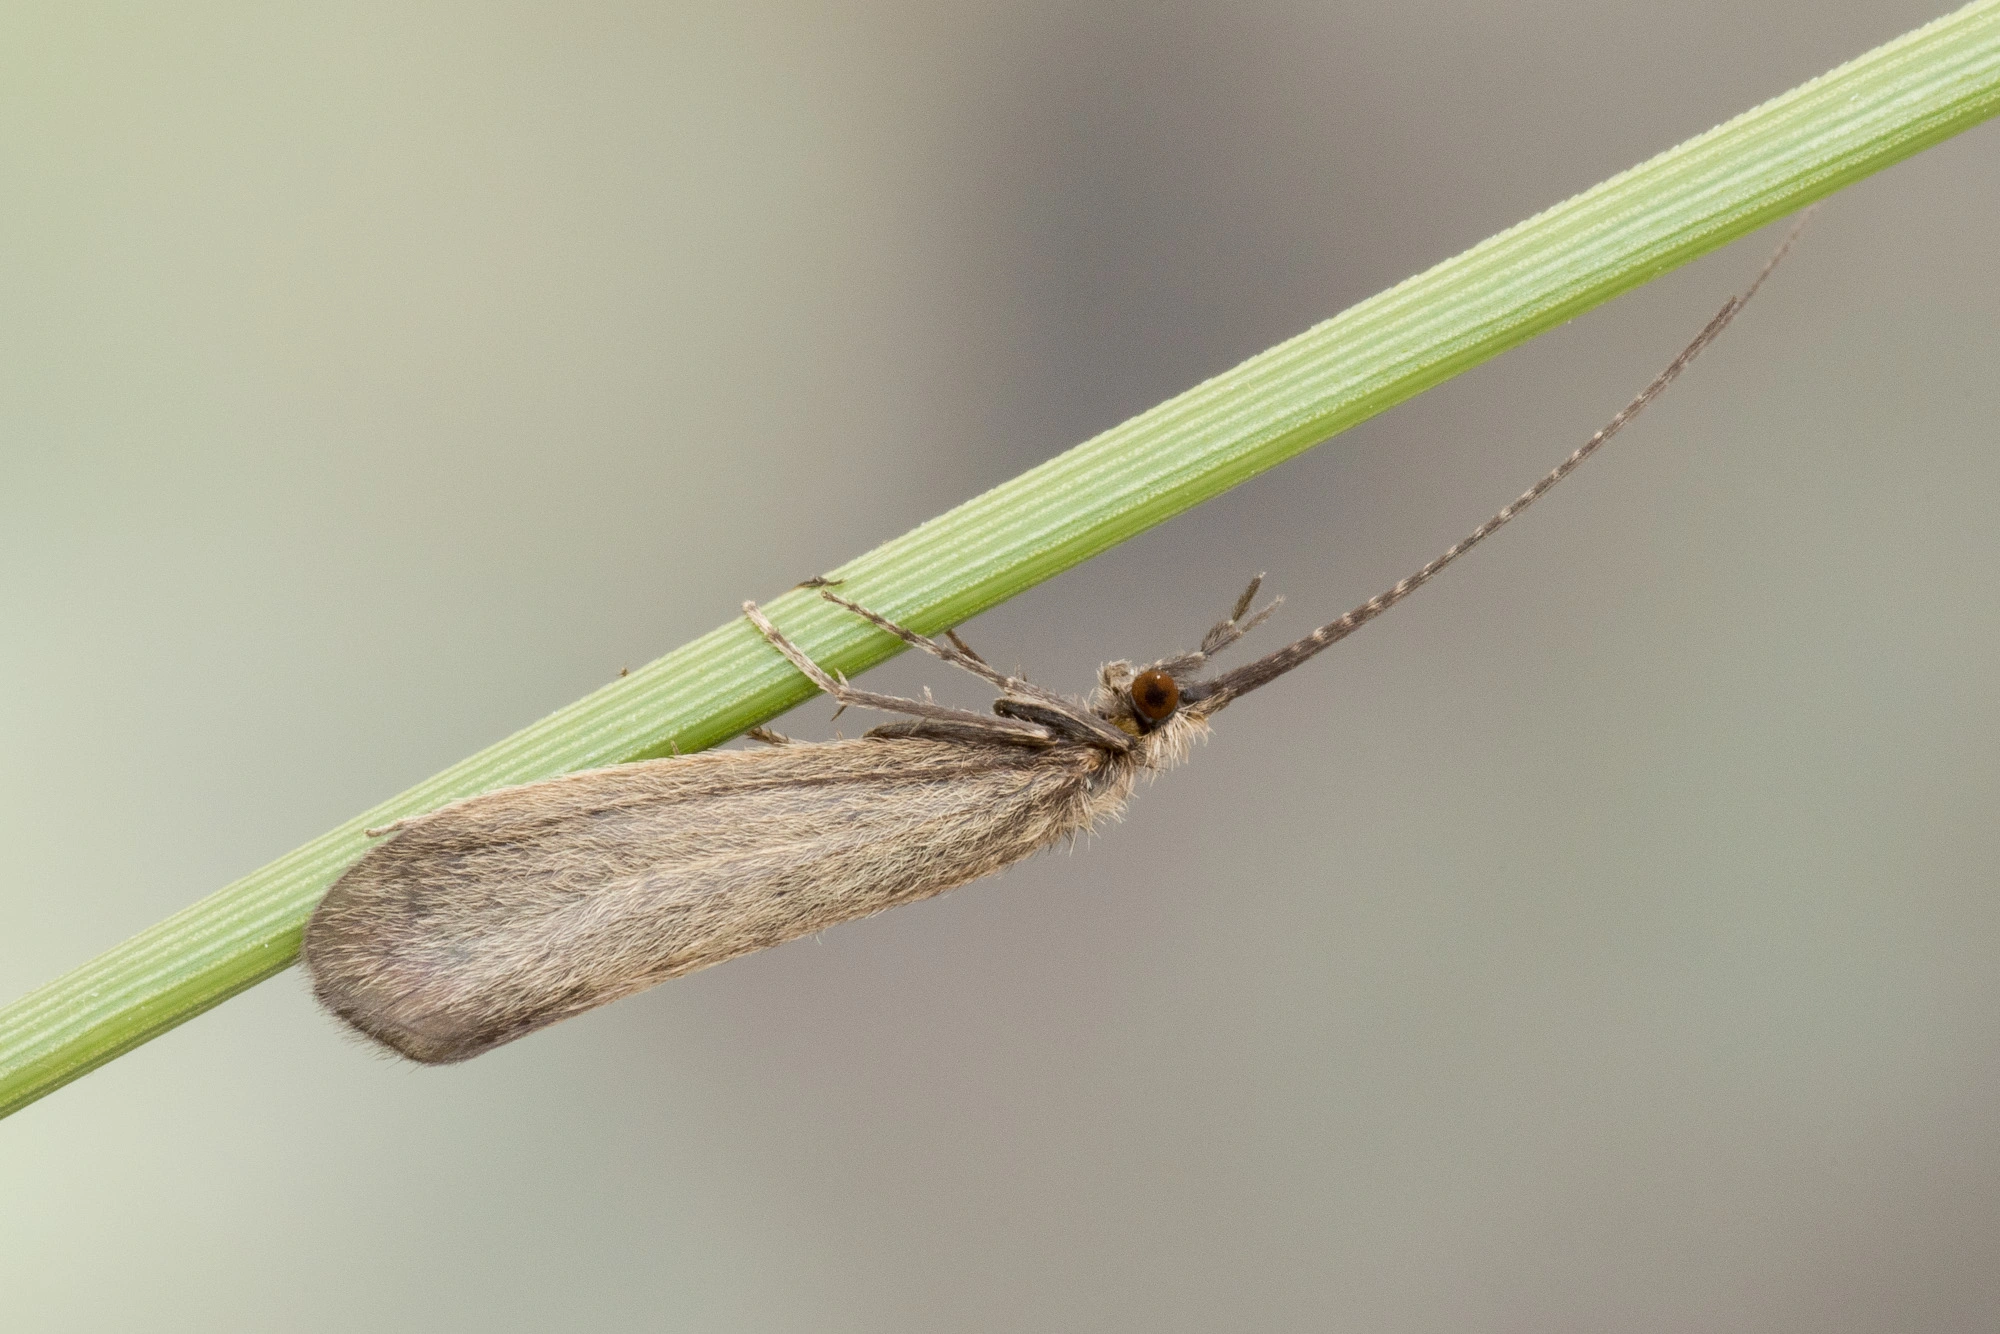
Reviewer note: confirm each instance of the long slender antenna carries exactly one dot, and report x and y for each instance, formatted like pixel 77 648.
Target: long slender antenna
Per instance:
pixel 1219 690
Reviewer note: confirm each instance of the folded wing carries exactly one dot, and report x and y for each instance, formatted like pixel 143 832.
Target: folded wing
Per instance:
pixel 497 915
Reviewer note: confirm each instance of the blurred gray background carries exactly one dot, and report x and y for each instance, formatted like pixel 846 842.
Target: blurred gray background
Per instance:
pixel 1608 939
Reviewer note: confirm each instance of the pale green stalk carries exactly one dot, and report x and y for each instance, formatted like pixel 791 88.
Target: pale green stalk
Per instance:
pixel 1889 104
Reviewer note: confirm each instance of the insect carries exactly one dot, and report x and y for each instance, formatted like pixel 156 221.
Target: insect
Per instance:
pixel 503 913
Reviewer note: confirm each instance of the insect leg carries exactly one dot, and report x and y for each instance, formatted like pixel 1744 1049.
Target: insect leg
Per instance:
pixel 951 653
pixel 1053 708
pixel 962 646
pixel 846 695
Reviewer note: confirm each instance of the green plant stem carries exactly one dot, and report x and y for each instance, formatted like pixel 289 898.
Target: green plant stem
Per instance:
pixel 1885 106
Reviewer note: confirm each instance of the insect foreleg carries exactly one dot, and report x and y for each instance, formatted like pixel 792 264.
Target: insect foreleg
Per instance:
pixel 1068 716
pixel 954 653
pixel 962 646
pixel 847 696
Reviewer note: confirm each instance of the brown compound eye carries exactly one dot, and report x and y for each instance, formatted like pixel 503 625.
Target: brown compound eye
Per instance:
pixel 1155 695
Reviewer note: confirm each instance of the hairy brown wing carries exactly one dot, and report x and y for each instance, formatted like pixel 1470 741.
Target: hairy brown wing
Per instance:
pixel 497 915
